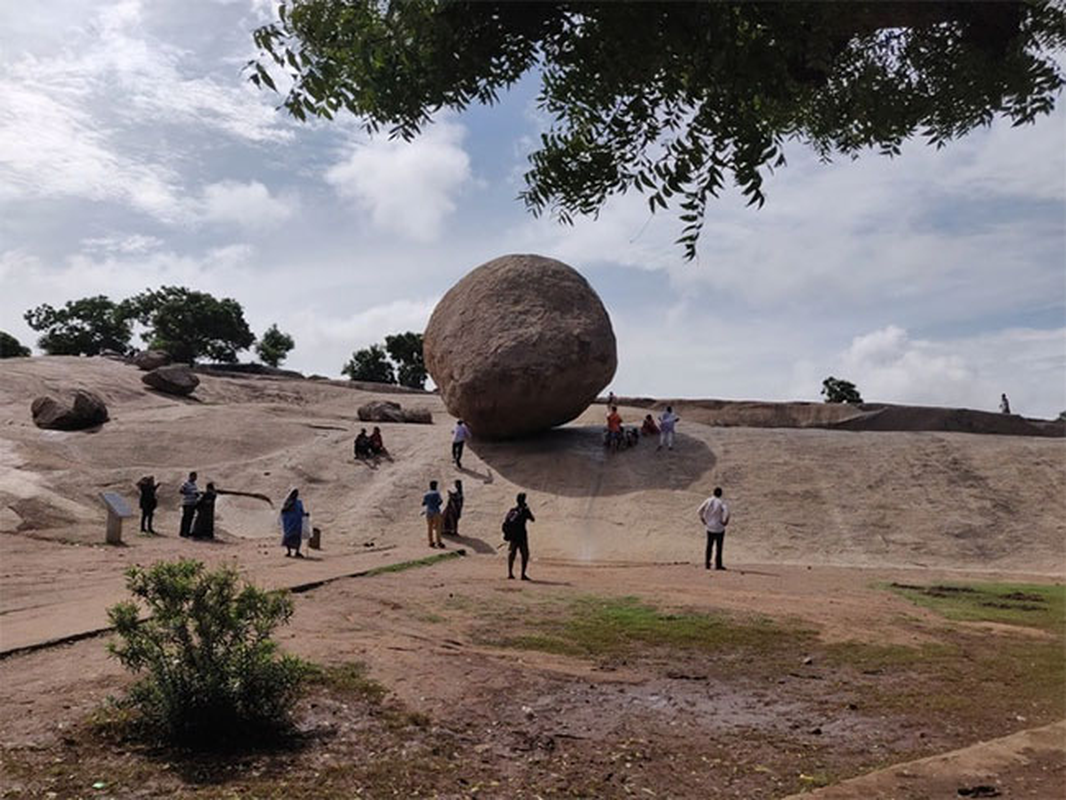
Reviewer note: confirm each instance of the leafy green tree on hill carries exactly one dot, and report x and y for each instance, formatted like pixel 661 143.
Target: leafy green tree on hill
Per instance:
pixel 274 346
pixel 405 349
pixel 370 364
pixel 190 325
pixel 10 347
pixel 837 390
pixel 81 327
pixel 674 100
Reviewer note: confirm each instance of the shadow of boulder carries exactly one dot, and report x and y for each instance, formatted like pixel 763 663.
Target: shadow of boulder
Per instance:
pixel 573 462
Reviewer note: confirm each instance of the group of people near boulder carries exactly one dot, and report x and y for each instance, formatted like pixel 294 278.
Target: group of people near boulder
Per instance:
pixel 617 436
pixel 197 508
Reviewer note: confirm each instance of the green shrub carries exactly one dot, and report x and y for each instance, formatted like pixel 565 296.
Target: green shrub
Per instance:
pixel 210 671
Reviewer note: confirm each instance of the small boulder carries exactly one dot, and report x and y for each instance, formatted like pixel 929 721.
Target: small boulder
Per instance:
pixel 149 359
pixel 78 410
pixel 173 379
pixel 380 411
pixel 389 411
pixel 421 416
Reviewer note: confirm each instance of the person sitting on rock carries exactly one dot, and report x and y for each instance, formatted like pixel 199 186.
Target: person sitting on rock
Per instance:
pixel 362 445
pixel 377 446
pixel 649 428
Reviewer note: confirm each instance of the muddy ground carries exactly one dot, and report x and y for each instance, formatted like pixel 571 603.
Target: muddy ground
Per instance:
pixel 566 687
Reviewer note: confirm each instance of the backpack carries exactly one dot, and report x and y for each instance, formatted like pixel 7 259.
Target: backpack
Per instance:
pixel 512 523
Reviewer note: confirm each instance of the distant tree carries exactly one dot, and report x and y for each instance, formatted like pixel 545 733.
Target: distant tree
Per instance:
pixel 837 390
pixel 82 327
pixel 676 99
pixel 1062 416
pixel 10 347
pixel 370 364
pixel 405 349
pixel 190 325
pixel 274 346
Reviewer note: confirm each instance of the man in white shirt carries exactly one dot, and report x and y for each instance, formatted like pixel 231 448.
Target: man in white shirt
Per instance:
pixel 190 493
pixel 459 437
pixel 667 423
pixel 714 514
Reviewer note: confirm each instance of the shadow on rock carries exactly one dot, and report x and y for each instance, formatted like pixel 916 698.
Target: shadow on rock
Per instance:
pixel 573 462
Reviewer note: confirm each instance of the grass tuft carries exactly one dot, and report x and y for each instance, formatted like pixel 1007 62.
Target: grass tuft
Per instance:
pixel 1023 604
pixel 403 566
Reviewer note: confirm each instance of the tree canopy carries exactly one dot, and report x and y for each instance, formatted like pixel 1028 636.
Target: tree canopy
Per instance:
pixel 677 99
pixel 274 346
pixel 10 347
pixel 838 390
pixel 81 327
pixel 190 325
pixel 405 349
pixel 370 364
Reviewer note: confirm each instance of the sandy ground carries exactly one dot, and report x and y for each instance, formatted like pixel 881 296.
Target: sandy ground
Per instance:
pixel 819 517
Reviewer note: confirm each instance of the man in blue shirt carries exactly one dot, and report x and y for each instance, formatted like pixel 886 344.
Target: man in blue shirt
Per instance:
pixel 431 503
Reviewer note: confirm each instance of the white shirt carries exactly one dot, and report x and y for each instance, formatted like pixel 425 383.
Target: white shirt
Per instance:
pixel 668 420
pixel 189 493
pixel 715 514
pixel 460 433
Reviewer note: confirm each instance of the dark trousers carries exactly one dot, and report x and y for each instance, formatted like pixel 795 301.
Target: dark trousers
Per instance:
pixel 187 513
pixel 519 544
pixel 457 451
pixel 714 542
pixel 146 519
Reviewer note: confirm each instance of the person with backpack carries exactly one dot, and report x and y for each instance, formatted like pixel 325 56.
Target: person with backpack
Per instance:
pixel 714 514
pixel 516 535
pixel 431 505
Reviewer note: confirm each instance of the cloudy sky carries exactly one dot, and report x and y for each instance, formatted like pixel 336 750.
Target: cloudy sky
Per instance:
pixel 133 154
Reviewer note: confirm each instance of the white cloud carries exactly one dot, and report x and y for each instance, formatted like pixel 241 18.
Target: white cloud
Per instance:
pixel 249 204
pixel 889 366
pixel 408 188
pixel 131 244
pixel 65 117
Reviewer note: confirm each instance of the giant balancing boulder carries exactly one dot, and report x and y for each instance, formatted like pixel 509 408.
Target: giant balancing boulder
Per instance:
pixel 519 345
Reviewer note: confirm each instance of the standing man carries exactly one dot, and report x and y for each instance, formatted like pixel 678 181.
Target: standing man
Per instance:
pixel 431 503
pixel 667 423
pixel 1004 404
pixel 614 428
pixel 714 514
pixel 514 531
pixel 190 494
pixel 459 437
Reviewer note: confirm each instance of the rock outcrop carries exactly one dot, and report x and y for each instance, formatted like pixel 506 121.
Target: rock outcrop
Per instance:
pixel 73 411
pixel 149 359
pixel 173 379
pixel 519 345
pixel 388 411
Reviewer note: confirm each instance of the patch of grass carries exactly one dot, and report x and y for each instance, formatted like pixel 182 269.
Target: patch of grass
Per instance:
pixel 403 566
pixel 348 678
pixel 597 627
pixel 1024 604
